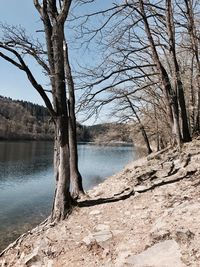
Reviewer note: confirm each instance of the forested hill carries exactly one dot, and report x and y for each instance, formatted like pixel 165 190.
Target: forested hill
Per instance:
pixel 22 120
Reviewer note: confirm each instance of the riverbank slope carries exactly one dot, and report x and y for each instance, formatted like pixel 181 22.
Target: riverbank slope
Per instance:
pixel 146 215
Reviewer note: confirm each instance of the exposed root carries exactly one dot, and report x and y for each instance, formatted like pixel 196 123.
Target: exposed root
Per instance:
pixel 39 228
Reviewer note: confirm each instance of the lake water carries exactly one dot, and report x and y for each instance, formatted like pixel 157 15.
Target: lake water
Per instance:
pixel 27 184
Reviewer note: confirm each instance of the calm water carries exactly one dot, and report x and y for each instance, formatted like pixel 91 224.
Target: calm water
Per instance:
pixel 27 184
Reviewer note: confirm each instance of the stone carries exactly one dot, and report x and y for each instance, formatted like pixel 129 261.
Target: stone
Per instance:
pixel 117 232
pixel 32 257
pixel 192 167
pixel 101 227
pixel 49 263
pixel 102 236
pixel 95 212
pixel 158 182
pixel 158 224
pixel 166 254
pixel 184 236
pixel 177 164
pixel 140 188
pixel 88 239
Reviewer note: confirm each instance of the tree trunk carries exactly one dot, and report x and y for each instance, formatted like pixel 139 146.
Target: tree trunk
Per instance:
pixel 75 176
pixel 146 140
pixel 62 200
pixel 192 30
pixel 178 85
pixel 170 95
pixel 176 127
pixel 144 134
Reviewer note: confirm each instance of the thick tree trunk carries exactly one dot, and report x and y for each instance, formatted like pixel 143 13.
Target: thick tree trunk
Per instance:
pixel 62 200
pixel 75 176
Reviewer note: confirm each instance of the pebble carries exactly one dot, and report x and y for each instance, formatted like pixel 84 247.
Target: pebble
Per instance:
pixel 95 212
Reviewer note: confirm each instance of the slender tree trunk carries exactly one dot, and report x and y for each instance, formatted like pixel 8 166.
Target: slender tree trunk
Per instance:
pixel 178 85
pixel 144 134
pixel 170 96
pixel 146 140
pixel 177 140
pixel 75 176
pixel 195 49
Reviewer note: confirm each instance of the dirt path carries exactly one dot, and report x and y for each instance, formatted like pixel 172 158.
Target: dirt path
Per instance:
pixel 146 215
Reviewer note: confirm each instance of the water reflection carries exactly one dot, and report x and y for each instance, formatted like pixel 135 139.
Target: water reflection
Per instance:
pixel 27 184
pixel 21 161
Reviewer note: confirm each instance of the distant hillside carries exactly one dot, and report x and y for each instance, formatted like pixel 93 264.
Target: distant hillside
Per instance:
pixel 24 120
pixel 109 132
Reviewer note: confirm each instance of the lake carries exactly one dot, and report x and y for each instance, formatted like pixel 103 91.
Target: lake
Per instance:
pixel 27 182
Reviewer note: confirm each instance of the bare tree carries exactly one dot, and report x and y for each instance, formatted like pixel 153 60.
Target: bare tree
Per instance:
pixel 142 49
pixel 53 16
pixel 188 11
pixel 178 85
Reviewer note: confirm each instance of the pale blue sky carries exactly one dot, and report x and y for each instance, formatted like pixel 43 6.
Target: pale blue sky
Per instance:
pixel 13 82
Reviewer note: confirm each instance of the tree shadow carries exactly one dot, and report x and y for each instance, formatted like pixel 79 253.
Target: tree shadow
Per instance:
pixel 99 201
pixel 122 196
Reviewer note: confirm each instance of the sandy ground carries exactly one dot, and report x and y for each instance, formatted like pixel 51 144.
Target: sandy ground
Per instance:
pixel 146 215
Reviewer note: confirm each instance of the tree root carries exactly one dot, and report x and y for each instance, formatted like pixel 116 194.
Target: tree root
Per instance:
pixel 43 225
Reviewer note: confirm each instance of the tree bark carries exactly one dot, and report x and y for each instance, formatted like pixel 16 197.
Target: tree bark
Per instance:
pixel 62 200
pixel 176 72
pixel 53 20
pixel 144 134
pixel 170 95
pixel 75 176
pixel 195 49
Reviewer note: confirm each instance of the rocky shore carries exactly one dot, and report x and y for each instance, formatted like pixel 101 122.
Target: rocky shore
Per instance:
pixel 146 215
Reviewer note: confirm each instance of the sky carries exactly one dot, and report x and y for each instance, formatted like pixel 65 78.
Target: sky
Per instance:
pixel 13 82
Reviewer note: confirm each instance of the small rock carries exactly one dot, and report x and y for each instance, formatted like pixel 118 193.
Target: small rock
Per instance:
pixel 165 254
pixel 32 257
pixel 184 236
pixel 94 212
pixel 50 263
pixel 117 232
pixel 88 239
pixel 162 173
pixel 102 236
pixel 140 188
pixel 101 227
pixel 193 167
pixel 158 182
